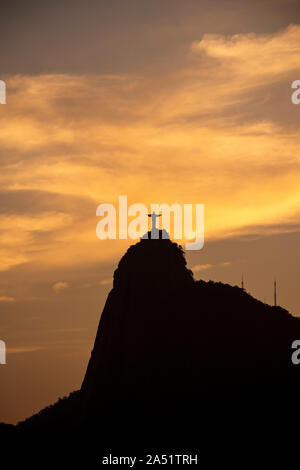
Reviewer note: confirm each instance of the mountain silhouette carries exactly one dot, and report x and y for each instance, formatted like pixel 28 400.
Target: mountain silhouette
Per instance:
pixel 171 352
pixel 168 345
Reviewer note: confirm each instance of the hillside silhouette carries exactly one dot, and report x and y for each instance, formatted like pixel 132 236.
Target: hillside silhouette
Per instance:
pixel 171 352
pixel 165 340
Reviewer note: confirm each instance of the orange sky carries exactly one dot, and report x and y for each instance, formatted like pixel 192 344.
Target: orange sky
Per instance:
pixel 205 117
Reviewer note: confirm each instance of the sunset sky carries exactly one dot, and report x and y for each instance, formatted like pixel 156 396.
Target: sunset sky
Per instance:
pixel 162 101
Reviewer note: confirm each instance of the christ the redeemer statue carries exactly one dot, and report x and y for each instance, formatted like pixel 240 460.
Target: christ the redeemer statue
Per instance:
pixel 153 220
pixel 155 233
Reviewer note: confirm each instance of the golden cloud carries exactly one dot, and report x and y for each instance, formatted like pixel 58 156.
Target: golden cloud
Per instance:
pixel 201 267
pixel 5 298
pixel 60 286
pixel 202 135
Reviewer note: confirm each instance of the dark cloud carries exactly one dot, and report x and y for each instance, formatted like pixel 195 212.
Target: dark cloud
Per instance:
pixel 123 36
pixel 36 202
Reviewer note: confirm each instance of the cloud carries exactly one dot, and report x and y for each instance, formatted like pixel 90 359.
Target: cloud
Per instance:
pixel 225 264
pixel 261 56
pixel 60 286
pixel 71 142
pixel 5 298
pixel 24 349
pixel 201 267
pixel 105 282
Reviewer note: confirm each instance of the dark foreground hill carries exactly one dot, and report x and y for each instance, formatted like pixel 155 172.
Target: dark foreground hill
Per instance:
pixel 175 363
